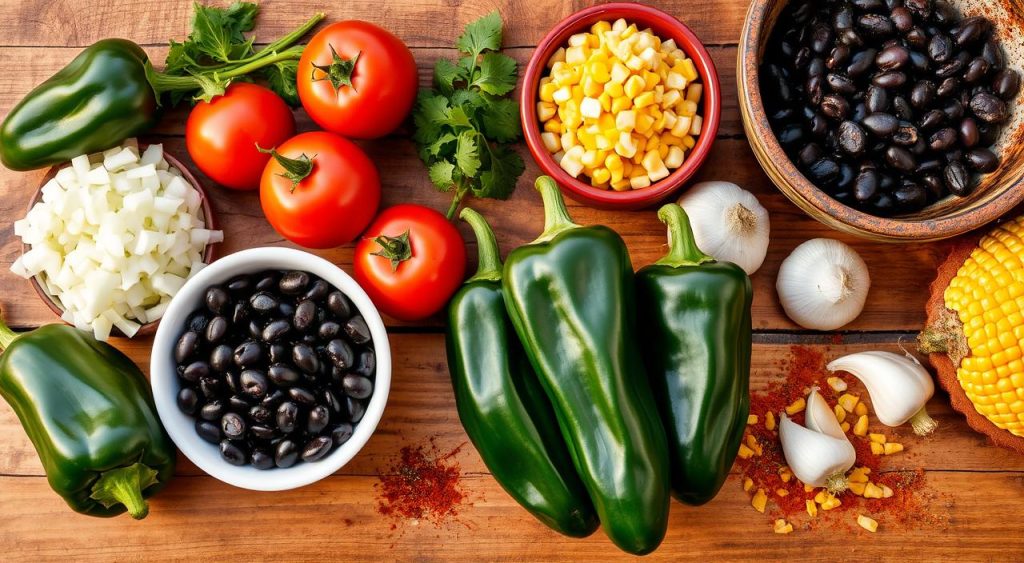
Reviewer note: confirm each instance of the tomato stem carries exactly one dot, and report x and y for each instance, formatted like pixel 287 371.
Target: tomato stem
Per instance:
pixel 396 249
pixel 295 169
pixel 339 72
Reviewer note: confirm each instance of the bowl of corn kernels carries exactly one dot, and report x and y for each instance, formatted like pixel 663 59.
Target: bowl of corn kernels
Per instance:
pixel 620 104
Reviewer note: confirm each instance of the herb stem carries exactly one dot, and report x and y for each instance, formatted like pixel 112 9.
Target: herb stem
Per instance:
pixel 285 41
pixel 461 189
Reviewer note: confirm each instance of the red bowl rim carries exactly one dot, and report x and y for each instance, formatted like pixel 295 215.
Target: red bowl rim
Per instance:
pixel 686 40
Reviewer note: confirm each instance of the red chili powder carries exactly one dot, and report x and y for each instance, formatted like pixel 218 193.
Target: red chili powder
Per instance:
pixel 422 484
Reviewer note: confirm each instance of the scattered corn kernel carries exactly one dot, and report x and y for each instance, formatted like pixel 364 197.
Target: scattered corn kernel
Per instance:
pixel 760 501
pixel 893 447
pixel 848 401
pixel 857 488
pixel 840 413
pixel 845 426
pixel 861 409
pixel 861 428
pixel 872 490
pixel 808 488
pixel 781 492
pixel 769 421
pixel 887 492
pixel 748 484
pixel 812 508
pixel 785 474
pixel 830 503
pixel 821 496
pixel 837 384
pixel 752 419
pixel 877 438
pixel 798 406
pixel 867 523
pixel 782 527
pixel 877 449
pixel 858 475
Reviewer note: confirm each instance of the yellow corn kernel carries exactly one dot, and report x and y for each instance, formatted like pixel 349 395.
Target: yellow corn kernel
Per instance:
pixel 751 419
pixel 639 182
pixel 614 90
pixel 781 492
pixel 651 79
pixel 687 107
pixel 627 146
pixel 569 140
pixel 577 93
pixel 877 449
pixel 858 475
pixel 831 502
pixel 625 121
pixel 693 92
pixel 682 126
pixel 797 406
pixel 577 55
pixel 562 95
pixel 887 492
pixel 689 71
pixel 572 161
pixel 601 176
pixel 808 488
pixel 553 126
pixel 674 158
pixel 848 401
pixel 861 428
pixel 857 488
pixel 785 474
pixel 545 110
pixel 591 158
pixel 837 384
pixel 753 444
pixel 644 100
pixel 821 496
pixel 872 490
pixel 556 57
pixel 861 409
pixel 689 142
pixel 748 484
pixel 599 72
pixel 547 91
pixel 867 523
pixel 634 86
pixel 653 142
pixel 613 162
pixel 591 87
pixel 840 413
pixel 621 185
pixel 655 166
pixel 644 123
pixel 675 81
pixel 600 27
pixel 670 99
pixel 812 508
pixel 845 426
pixel 619 73
pixel 551 141
pixel 782 527
pixel 760 501
pixel 769 420
pixel 578 40
pixel 621 103
pixel 878 438
pixel 893 447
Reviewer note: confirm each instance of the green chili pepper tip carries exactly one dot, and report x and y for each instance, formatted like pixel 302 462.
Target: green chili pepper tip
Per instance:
pixel 682 248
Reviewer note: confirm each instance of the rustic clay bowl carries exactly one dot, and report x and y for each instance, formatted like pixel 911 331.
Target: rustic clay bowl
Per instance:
pixel 147 328
pixel 994 196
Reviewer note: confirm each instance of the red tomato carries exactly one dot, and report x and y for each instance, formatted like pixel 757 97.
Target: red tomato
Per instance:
pixel 421 284
pixel 366 100
pixel 221 135
pixel 333 203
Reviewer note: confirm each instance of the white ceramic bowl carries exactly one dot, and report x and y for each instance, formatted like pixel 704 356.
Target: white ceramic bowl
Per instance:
pixel 181 427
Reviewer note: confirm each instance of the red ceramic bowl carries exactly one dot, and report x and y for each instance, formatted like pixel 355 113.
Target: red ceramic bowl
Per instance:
pixel 666 27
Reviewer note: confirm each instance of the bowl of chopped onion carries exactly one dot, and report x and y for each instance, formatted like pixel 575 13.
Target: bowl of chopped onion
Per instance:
pixel 109 238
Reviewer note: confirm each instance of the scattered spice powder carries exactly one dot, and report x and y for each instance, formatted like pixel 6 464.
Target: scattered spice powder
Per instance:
pixel 788 500
pixel 423 484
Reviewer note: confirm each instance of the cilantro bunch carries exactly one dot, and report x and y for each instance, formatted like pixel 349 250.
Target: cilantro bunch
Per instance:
pixel 465 124
pixel 217 52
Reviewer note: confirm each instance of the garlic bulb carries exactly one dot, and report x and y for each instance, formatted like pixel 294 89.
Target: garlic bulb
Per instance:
pixel 899 387
pixel 823 284
pixel 820 454
pixel 728 223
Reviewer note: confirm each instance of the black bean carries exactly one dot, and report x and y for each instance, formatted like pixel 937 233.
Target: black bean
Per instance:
pixel 355 408
pixel 992 53
pixel 217 300
pixel 208 431
pixel 916 38
pixel 341 433
pixel 865 186
pixel 293 283
pixel 276 330
pixel 331 329
pixel 232 425
pixel 989 108
pixel 357 330
pixel 911 195
pixel 954 110
pixel 339 305
pixel 948 87
pixel 982 160
pixel 237 403
pixel 970 30
pixel 255 329
pixel 240 312
pixel 280 353
pixel 968 133
pixel 239 284
pixel 976 70
pixel 921 8
pixel 212 411
pixel 210 388
pixel 821 37
pixel 944 12
pixel 932 119
pixel 876 99
pixel 952 67
pixel 840 83
pixel 263 303
pixel 861 62
pixel 919 62
pixel 285 309
pixel 261 432
pixel 267 281
pixel 274 399
pixel 1006 84
pixel 835 106
pixel 301 396
pixel 317 291
pixel 282 375
pixel 186 346
pixel 287 417
pixel 317 448
pixel 905 135
pixel 860 111
pixel 248 353
pixel 221 358
pixel 902 19
pixel 876 24
pixel 942 139
pixel 341 353
pixel 332 402
pixel 837 59
pixel 902 108
pixel 188 400
pixel 791 134
pixel 881 124
pixel 814 89
pixel 893 57
pixel 366 364
pixel 357 386
pixel 934 184
pixel 304 316
pixel 318 418
pixel 261 459
pixel 922 94
pixel 940 48
pixel 305 358
pixel 929 166
pixel 254 383
pixel 260 414
pixel 987 134
pixel 900 158
pixel 819 125
pixel 195 371
pixel 802 57
pixel 216 329
pixel 286 454
pixel 957 179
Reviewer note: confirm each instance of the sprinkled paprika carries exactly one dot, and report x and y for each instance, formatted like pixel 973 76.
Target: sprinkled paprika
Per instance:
pixel 423 484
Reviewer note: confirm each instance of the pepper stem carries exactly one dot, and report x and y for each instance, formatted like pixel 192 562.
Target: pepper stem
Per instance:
pixel 124 485
pixel 837 483
pixel 396 249
pixel 556 216
pixel 6 335
pixel 489 262
pixel 922 423
pixel 682 248
pixel 295 169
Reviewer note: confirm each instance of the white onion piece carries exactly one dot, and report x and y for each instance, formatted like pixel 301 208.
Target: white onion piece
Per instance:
pixel 114 237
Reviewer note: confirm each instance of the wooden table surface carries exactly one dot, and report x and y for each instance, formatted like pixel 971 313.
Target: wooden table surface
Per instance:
pixel 973 490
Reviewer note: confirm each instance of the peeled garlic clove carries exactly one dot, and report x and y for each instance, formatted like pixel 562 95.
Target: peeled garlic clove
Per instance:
pixel 819 417
pixel 823 284
pixel 899 387
pixel 817 459
pixel 728 223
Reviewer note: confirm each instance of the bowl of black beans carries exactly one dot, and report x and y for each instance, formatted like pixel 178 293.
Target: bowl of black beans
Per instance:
pixel 890 119
pixel 270 369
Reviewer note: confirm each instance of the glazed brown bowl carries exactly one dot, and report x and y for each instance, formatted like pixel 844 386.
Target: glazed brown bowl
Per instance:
pixel 208 217
pixel 997 193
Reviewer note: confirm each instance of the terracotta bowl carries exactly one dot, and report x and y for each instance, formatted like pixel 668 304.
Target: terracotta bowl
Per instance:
pixel 997 193
pixel 147 328
pixel 666 27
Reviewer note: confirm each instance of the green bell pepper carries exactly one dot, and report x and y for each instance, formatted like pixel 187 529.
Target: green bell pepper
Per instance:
pixel 90 415
pixel 502 405
pixel 570 296
pixel 694 315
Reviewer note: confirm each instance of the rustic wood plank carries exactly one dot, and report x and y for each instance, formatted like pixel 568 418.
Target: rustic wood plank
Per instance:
pixel 198 517
pixel 421 407
pixel 82 22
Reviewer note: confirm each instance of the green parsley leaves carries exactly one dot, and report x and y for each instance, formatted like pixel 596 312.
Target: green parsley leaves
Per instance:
pixel 464 124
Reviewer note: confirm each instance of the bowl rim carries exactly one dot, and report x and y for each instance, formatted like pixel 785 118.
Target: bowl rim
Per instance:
pixel 712 101
pixel 814 201
pixel 208 217
pixel 164 383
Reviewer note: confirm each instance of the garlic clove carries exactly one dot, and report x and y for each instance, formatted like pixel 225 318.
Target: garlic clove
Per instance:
pixel 728 223
pixel 819 417
pixel 815 458
pixel 823 284
pixel 899 387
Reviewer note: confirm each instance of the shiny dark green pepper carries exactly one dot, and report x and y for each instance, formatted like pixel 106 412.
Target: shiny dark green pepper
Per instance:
pixel 570 296
pixel 502 405
pixel 98 100
pixel 694 315
pixel 90 415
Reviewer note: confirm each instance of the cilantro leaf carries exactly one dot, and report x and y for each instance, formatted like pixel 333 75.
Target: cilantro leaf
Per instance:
pixel 499 181
pixel 480 35
pixel 467 154
pixel 446 74
pixel 280 78
pixel 218 32
pixel 440 146
pixel 458 119
pixel 501 121
pixel 441 174
pixel 497 74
